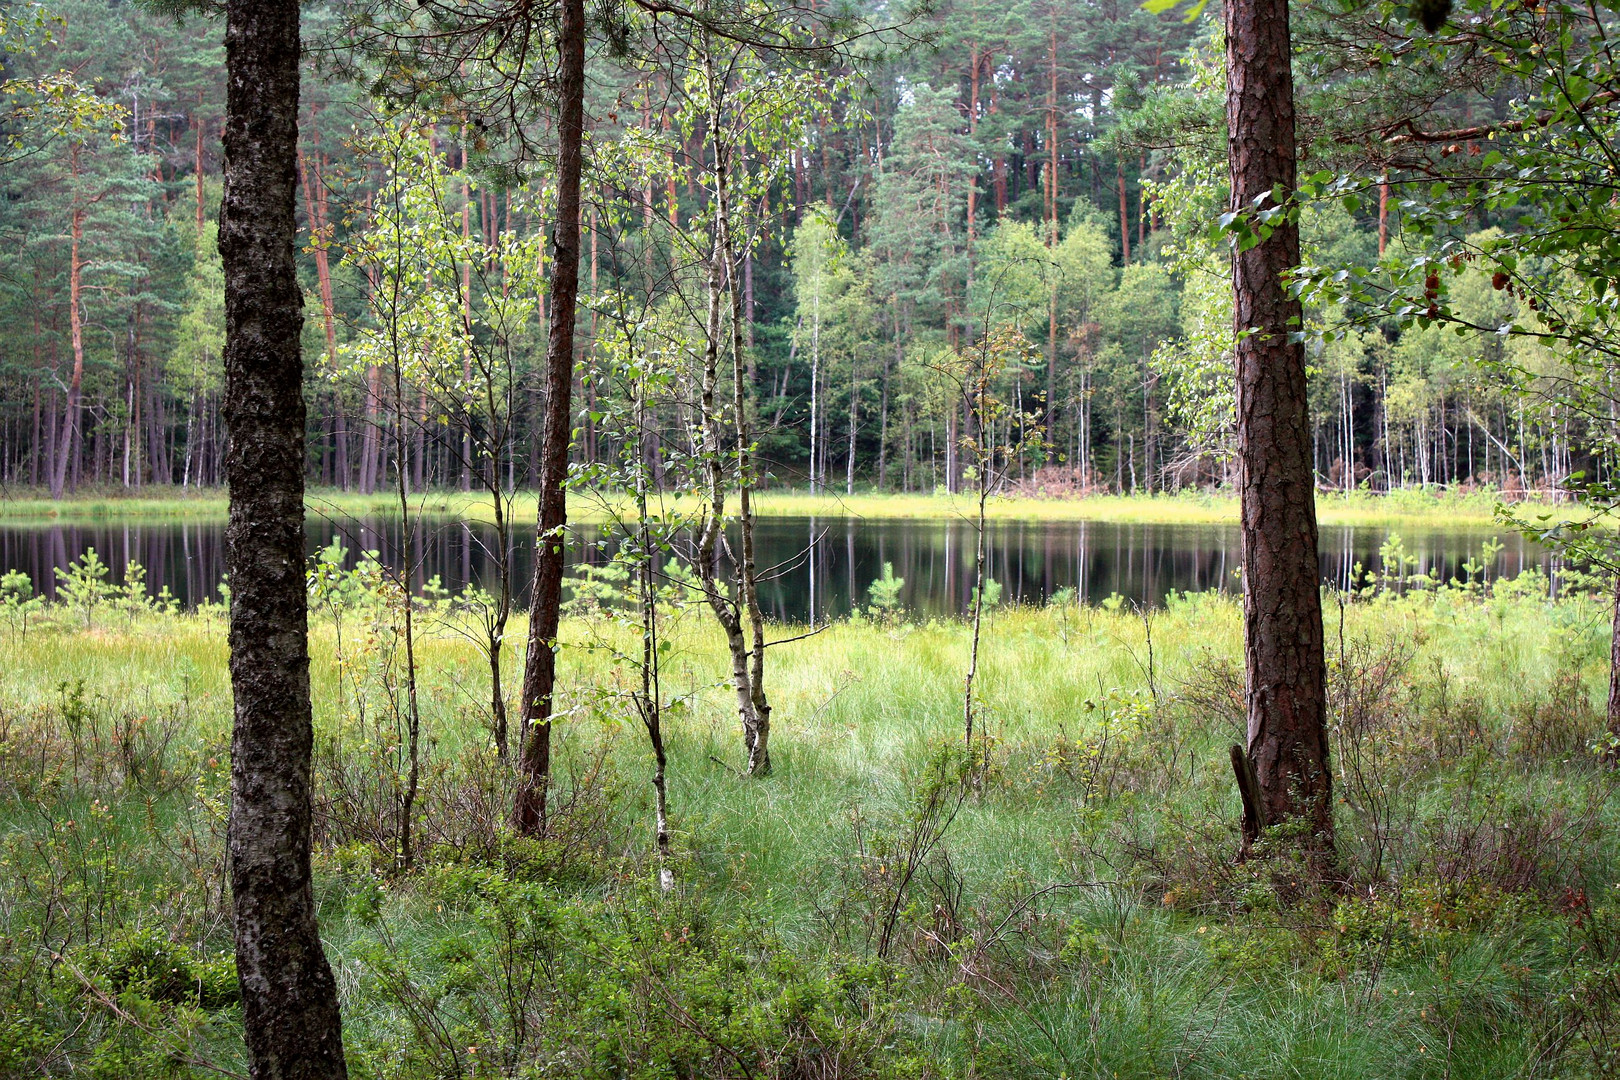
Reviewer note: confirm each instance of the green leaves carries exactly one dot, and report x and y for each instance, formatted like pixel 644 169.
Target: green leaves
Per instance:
pixel 52 104
pixel 1252 225
pixel 1160 7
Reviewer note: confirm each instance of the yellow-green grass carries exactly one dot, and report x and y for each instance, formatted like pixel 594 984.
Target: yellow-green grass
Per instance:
pixel 1038 664
pixel 201 505
pixel 1149 987
pixel 857 707
pixel 1411 508
pixel 1188 508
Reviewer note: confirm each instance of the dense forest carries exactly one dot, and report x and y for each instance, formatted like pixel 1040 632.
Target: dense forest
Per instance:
pixel 1041 166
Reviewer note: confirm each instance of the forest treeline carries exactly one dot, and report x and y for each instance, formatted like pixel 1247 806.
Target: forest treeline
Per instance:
pixel 1041 166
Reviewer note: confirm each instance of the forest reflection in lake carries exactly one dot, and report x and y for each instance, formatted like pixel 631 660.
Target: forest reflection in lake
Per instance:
pixel 826 564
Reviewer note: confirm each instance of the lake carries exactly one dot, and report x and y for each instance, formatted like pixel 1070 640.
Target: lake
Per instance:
pixel 825 563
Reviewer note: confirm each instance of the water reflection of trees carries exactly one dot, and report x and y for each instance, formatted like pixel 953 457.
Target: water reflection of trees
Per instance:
pixel 1030 560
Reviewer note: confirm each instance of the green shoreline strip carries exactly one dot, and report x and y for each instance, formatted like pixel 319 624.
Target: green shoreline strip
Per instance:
pixel 1476 509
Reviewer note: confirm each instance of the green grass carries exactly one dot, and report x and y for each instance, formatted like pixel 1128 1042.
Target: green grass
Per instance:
pixel 1188 508
pixel 1412 508
pixel 1462 955
pixel 24 507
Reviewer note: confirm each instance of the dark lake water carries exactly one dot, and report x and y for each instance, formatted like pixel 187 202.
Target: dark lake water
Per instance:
pixel 826 561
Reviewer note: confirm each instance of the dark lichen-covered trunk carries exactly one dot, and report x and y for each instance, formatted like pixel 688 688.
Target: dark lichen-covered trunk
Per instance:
pixel 289 999
pixel 1282 600
pixel 540 666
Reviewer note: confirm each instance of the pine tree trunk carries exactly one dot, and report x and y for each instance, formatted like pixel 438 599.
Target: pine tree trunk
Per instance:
pixel 159 444
pixel 1124 215
pixel 1383 217
pixel 197 122
pixel 315 206
pixel 854 404
pixel 883 406
pixel 748 300
pixel 976 65
pixel 1282 600
pixel 540 665
pixel 289 998
pixel 67 451
pixel 34 457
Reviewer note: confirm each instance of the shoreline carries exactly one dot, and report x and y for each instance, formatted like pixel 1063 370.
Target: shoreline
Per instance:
pixel 1429 508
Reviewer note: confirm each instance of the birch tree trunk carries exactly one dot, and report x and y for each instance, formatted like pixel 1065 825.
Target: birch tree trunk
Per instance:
pixel 289 999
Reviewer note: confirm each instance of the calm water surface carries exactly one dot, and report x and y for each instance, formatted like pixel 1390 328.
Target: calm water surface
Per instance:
pixel 825 562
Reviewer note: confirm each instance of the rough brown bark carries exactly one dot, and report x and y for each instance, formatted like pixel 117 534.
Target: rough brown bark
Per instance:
pixel 70 411
pixel 197 122
pixel 320 235
pixel 1282 600
pixel 289 999
pixel 1124 215
pixel 976 65
pixel 1383 218
pixel 540 665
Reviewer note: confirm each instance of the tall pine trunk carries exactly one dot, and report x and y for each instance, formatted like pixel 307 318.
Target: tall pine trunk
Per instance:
pixel 1283 774
pixel 320 234
pixel 1124 214
pixel 540 664
pixel 69 434
pixel 289 998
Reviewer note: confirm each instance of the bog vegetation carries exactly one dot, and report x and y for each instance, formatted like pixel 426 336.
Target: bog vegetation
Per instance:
pixel 1060 901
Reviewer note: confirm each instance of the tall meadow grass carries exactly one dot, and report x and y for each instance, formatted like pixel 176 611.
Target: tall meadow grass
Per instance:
pixel 1064 902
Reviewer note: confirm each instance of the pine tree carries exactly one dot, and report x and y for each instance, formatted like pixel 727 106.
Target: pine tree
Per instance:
pixel 1283 772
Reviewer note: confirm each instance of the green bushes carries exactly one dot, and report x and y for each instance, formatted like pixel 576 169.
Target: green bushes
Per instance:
pixel 516 980
pixel 147 963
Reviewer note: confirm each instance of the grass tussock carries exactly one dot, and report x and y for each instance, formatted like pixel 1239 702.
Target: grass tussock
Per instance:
pixel 1064 901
